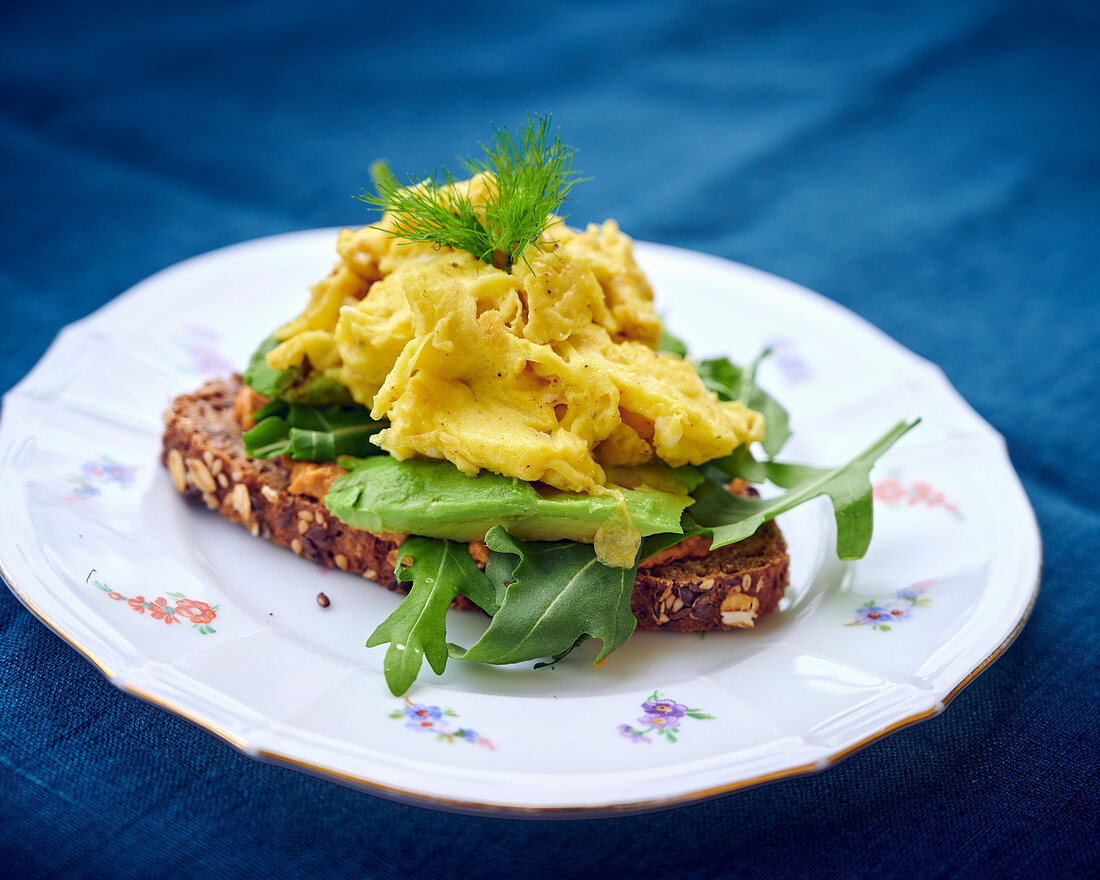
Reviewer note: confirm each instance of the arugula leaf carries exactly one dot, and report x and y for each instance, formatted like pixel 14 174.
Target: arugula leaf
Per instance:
pixel 311 433
pixel 263 379
pixel 733 518
pixel 672 344
pixel 731 382
pixel 542 664
pixel 531 175
pixel 417 629
pixel 555 593
pixel 294 385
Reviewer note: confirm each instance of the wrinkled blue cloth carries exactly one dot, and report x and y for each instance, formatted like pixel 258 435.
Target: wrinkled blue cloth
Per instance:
pixel 933 166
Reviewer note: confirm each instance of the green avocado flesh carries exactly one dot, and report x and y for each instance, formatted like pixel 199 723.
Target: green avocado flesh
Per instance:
pixel 435 499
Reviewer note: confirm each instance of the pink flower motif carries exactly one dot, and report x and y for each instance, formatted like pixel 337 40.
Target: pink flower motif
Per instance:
pixel 889 490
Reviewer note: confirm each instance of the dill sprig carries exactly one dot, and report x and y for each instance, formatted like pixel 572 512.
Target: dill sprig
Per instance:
pixel 530 176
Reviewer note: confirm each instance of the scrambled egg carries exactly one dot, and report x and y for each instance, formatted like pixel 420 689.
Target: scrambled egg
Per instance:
pixel 546 372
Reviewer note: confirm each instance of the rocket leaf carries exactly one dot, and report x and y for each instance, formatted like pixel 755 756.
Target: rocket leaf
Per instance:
pixel 311 433
pixel 295 385
pixel 732 517
pixel 555 592
pixel 417 629
pixel 731 382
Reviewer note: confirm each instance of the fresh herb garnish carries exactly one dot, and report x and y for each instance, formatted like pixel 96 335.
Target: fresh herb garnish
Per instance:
pixel 311 433
pixel 530 176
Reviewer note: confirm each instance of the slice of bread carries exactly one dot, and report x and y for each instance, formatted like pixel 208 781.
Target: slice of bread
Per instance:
pixel 687 588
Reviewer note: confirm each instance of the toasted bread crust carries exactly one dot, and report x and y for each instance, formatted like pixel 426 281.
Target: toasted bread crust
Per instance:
pixel 688 588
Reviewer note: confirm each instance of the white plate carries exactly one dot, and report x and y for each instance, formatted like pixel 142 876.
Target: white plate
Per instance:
pixel 98 545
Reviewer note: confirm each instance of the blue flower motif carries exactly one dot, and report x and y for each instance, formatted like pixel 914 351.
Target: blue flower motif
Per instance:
pixel 899 612
pixel 875 615
pixel 467 734
pixel 423 712
pixel 119 473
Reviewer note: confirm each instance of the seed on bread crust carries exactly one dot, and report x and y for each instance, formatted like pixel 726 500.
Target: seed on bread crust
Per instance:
pixel 201 477
pixel 241 501
pixel 176 469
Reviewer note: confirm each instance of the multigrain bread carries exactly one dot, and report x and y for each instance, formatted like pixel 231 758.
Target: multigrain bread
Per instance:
pixel 686 588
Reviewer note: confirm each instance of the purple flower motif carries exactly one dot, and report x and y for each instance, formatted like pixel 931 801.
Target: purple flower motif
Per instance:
pixel 632 734
pixel 664 708
pixel 424 724
pixel 208 360
pixel 467 734
pixel 660 722
pixel 422 712
pixel 873 615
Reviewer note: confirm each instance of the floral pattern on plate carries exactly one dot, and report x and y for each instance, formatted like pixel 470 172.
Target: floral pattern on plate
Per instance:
pixel 881 614
pixel 433 719
pixel 787 358
pixel 96 474
pixel 181 610
pixel 894 491
pixel 200 345
pixel 661 717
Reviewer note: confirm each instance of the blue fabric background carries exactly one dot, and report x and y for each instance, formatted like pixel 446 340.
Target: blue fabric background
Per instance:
pixel 933 166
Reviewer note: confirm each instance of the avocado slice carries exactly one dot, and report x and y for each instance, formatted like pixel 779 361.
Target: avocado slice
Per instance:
pixel 294 385
pixel 435 499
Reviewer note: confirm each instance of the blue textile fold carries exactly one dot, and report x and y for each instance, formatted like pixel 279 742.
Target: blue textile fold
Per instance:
pixel 935 167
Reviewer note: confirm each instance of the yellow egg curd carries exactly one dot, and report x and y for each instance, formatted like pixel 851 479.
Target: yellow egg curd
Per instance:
pixel 546 371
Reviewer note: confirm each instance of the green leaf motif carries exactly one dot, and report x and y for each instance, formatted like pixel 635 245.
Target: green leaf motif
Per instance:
pixel 555 593
pixel 417 629
pixel 733 518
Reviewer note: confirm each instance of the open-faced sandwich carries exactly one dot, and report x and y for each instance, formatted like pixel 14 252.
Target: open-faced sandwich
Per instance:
pixel 478 406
